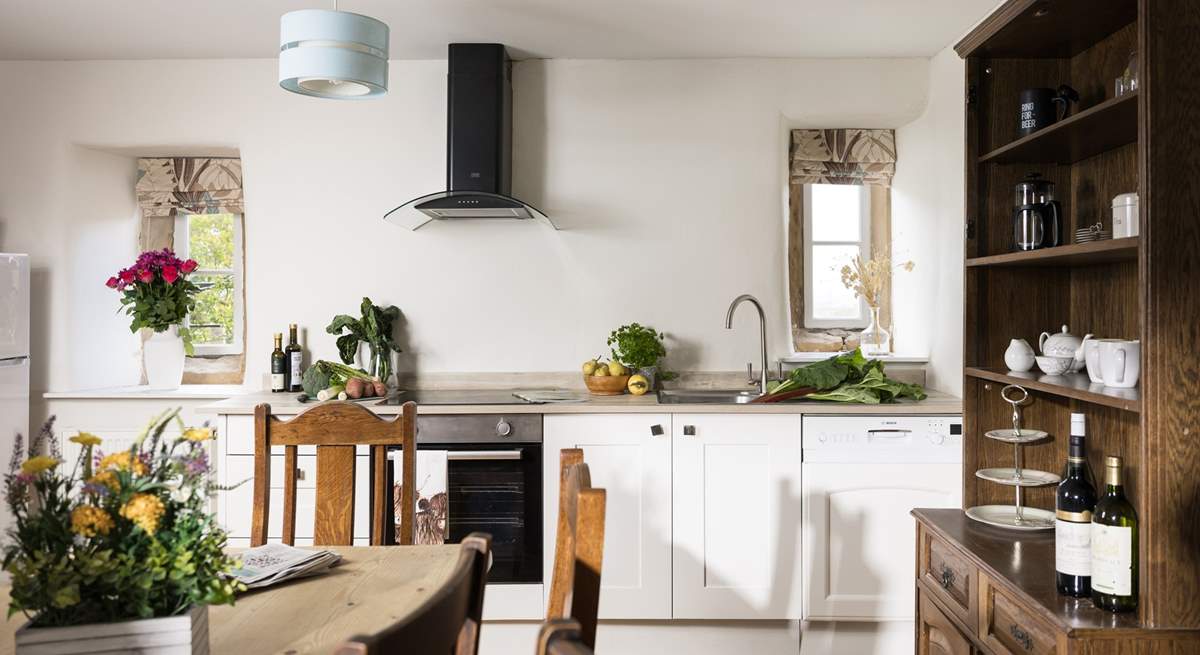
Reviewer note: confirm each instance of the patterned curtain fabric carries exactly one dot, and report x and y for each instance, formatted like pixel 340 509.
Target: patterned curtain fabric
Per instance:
pixel 848 156
pixel 197 185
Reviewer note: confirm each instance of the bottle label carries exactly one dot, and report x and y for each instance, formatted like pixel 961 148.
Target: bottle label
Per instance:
pixel 1112 559
pixel 277 381
pixel 296 373
pixel 1073 547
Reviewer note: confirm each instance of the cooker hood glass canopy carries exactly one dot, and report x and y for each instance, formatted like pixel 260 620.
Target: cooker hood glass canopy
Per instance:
pixel 478 144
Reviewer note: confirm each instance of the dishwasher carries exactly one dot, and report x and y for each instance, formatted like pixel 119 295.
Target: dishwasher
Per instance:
pixel 860 478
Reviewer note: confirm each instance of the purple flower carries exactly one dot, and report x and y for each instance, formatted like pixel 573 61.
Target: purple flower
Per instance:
pixel 96 489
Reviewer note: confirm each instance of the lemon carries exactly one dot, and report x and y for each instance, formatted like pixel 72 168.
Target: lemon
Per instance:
pixel 638 385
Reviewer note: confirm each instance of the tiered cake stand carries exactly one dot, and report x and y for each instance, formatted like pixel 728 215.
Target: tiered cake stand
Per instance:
pixel 1016 516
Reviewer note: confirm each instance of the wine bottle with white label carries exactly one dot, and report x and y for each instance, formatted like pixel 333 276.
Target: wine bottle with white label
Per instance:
pixel 1074 502
pixel 1114 545
pixel 295 360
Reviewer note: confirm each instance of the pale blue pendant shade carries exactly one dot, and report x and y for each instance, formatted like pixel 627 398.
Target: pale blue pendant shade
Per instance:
pixel 333 54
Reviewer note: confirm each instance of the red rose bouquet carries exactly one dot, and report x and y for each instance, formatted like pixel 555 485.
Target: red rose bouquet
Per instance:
pixel 156 292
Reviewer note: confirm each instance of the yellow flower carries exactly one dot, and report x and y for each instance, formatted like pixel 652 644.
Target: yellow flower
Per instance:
pixel 86 439
pixel 144 510
pixel 35 465
pixel 88 521
pixel 123 461
pixel 106 478
pixel 198 434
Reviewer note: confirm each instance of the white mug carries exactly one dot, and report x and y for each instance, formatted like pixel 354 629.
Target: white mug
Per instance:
pixel 1120 362
pixel 1091 357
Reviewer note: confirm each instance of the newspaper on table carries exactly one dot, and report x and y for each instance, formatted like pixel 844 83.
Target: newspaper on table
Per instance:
pixel 272 563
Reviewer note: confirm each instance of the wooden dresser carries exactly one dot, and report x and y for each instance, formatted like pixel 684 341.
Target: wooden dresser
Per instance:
pixel 989 590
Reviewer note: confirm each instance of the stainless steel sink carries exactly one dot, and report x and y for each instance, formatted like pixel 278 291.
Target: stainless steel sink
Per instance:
pixel 706 396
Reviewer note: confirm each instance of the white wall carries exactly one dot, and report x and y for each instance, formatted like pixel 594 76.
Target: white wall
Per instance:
pixel 927 210
pixel 667 178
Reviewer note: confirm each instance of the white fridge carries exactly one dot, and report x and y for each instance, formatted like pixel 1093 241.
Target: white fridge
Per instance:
pixel 14 354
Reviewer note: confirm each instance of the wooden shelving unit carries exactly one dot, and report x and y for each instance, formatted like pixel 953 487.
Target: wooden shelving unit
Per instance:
pixel 1136 288
pixel 1098 129
pixel 1077 386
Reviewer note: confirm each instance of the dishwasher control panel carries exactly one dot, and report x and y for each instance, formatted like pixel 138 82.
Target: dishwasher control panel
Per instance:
pixel 886 438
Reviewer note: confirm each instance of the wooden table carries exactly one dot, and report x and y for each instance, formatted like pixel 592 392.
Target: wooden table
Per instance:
pixel 372 588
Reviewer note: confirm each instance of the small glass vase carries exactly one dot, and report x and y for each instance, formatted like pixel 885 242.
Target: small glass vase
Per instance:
pixel 874 340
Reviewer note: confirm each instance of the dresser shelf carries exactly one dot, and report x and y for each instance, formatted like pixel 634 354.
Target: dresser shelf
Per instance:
pixel 1076 254
pixel 1107 125
pixel 1072 385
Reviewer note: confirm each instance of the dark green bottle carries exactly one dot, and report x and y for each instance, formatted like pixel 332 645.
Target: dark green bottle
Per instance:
pixel 278 366
pixel 1114 545
pixel 295 361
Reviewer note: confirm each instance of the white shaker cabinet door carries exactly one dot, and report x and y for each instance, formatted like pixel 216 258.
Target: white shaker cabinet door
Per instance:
pixel 737 516
pixel 629 455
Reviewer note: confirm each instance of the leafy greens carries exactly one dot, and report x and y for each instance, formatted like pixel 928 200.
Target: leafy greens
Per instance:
pixel 849 378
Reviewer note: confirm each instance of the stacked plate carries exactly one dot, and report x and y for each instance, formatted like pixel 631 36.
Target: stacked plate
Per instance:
pixel 1092 233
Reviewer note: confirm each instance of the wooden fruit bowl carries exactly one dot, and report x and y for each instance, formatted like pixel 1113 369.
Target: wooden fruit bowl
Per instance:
pixel 608 385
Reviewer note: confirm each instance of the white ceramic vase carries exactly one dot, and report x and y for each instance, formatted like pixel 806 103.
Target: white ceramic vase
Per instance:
pixel 163 355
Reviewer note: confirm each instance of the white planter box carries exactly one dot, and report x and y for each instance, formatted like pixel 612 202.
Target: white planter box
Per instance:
pixel 186 634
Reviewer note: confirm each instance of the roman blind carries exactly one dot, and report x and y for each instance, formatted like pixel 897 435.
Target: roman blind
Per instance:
pixel 843 156
pixel 196 185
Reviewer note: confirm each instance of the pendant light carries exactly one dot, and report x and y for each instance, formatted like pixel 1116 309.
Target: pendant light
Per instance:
pixel 333 54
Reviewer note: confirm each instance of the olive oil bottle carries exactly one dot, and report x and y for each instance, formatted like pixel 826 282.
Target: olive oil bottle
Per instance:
pixel 278 366
pixel 295 360
pixel 1114 545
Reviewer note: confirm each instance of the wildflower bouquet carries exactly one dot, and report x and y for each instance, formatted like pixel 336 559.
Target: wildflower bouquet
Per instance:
pixel 120 536
pixel 156 291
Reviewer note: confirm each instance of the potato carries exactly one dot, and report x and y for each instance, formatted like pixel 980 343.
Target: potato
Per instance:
pixel 354 388
pixel 380 388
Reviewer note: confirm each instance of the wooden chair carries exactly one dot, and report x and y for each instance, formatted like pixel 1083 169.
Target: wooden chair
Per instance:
pixel 448 621
pixel 561 637
pixel 578 548
pixel 335 428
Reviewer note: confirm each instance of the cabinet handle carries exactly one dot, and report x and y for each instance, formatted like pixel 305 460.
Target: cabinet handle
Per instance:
pixel 689 430
pixel 1021 636
pixel 948 576
pixel 299 473
pixel 656 430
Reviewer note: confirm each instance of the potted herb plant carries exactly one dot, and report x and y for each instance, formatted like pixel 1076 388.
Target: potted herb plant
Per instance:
pixel 639 347
pixel 158 295
pixel 116 546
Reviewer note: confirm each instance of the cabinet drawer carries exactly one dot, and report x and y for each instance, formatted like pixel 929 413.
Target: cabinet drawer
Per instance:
pixel 936 633
pixel 1006 627
pixel 949 575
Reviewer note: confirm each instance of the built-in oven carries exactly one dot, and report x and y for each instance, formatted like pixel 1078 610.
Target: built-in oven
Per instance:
pixel 493 484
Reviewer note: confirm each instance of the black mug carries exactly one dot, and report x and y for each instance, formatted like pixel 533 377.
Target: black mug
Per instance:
pixel 1041 107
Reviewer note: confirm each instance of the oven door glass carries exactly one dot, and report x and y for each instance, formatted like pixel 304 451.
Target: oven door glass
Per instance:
pixel 497 490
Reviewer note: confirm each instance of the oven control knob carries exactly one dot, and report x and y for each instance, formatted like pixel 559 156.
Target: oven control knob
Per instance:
pixel 937 438
pixel 503 428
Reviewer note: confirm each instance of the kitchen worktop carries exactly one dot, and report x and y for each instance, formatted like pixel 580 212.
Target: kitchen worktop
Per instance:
pixel 286 403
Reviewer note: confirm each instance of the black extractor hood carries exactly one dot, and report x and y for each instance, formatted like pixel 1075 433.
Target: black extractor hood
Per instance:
pixel 478 144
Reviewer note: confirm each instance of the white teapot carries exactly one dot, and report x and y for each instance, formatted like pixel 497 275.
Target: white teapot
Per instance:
pixel 1064 344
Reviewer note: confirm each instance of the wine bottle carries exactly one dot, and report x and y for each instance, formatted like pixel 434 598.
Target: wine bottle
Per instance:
pixel 295 358
pixel 1114 545
pixel 278 366
pixel 1074 502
